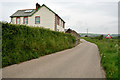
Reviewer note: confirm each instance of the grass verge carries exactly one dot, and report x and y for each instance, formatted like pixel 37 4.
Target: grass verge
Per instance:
pixel 109 55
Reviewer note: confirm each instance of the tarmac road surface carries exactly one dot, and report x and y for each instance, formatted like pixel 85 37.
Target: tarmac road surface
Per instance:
pixel 82 61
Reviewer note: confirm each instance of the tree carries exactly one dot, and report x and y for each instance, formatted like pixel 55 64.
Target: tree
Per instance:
pixel 101 37
pixel 86 35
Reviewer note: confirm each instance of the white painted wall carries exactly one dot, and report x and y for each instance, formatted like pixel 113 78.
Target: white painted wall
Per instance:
pixel 14 20
pixel 60 26
pixel 47 19
pixel 21 20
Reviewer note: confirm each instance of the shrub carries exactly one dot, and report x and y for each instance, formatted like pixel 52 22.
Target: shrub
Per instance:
pixel 86 35
pixel 21 43
pixel 101 37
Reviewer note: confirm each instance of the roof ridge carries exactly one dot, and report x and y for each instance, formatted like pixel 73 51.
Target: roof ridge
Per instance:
pixel 49 8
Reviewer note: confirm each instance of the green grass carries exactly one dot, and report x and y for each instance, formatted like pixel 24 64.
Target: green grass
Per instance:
pixel 21 43
pixel 109 55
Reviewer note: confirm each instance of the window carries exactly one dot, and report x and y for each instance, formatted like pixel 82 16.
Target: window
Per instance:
pixel 37 20
pixel 25 20
pixel 57 20
pixel 11 20
pixel 63 25
pixel 18 20
pixel 28 11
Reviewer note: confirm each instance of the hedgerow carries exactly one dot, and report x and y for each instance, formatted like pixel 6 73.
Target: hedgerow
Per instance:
pixel 21 43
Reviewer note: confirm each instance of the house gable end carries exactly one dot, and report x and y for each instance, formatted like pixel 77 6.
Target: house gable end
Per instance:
pixel 48 9
pixel 41 9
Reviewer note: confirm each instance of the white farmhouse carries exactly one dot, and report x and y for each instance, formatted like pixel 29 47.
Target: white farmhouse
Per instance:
pixel 42 16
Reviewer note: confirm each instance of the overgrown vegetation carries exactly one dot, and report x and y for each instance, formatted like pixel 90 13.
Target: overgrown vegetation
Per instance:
pixel 109 55
pixel 0 37
pixel 21 43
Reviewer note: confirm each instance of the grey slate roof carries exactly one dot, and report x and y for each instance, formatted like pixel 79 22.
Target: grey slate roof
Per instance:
pixel 22 13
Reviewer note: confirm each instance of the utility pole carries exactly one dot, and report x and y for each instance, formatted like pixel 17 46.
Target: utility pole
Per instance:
pixel 87 31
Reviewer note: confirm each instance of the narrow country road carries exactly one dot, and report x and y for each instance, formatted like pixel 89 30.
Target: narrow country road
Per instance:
pixel 82 61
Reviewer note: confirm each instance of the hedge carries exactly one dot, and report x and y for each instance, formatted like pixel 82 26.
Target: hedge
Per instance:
pixel 21 43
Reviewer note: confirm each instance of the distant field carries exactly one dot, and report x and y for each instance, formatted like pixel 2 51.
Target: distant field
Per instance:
pixel 109 55
pixel 95 35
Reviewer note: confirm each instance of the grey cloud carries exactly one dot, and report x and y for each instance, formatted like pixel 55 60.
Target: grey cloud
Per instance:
pixel 98 17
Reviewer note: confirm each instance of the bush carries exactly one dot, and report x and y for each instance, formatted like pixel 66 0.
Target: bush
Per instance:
pixel 86 35
pixel 98 37
pixel 21 43
pixel 101 37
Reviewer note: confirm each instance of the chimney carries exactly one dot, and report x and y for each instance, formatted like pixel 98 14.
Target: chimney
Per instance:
pixel 37 6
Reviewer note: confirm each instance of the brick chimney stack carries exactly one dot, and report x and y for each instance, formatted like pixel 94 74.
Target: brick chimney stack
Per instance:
pixel 37 6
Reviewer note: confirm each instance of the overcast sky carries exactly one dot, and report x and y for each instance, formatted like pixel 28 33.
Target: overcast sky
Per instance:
pixel 99 16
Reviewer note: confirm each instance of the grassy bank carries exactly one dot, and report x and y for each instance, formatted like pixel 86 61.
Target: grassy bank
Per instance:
pixel 109 55
pixel 21 43
pixel 0 38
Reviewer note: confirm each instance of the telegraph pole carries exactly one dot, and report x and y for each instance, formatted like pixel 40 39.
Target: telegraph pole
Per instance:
pixel 87 31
